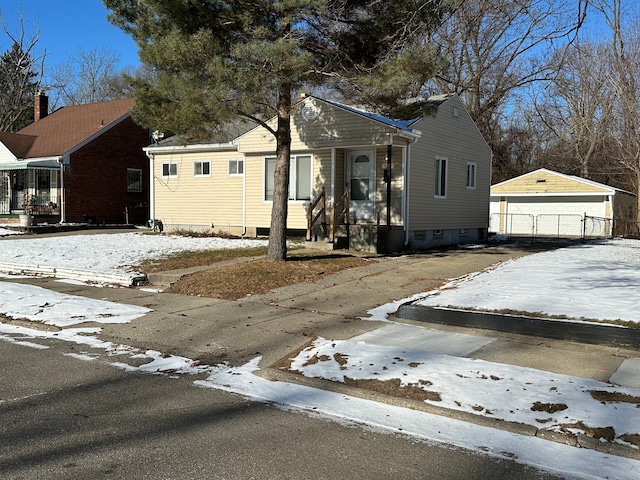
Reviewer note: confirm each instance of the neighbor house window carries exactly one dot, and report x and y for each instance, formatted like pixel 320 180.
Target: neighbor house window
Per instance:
pixel 441 177
pixel 236 167
pixel 134 180
pixel 464 232
pixel 202 169
pixel 437 234
pixel 471 175
pixel 299 177
pixel 169 169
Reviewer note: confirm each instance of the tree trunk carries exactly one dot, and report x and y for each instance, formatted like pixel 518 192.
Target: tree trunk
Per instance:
pixel 277 251
pixel 636 227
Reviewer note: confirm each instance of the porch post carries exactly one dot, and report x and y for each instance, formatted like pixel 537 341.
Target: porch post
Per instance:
pixel 389 151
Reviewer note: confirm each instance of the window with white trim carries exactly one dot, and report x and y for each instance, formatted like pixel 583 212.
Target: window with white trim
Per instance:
pixel 236 166
pixel 440 177
pixel 471 175
pixel 202 168
pixel 299 177
pixel 169 169
pixel 134 180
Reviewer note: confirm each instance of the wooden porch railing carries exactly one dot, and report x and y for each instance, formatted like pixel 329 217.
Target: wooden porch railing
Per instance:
pixel 339 214
pixel 342 216
pixel 312 218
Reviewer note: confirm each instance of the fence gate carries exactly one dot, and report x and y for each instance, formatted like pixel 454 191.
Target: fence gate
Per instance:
pixel 554 225
pixel 513 224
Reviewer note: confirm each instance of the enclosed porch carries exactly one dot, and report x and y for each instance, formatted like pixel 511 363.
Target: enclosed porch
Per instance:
pixel 30 191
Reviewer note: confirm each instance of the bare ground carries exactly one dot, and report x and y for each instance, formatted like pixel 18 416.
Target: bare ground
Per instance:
pixel 249 276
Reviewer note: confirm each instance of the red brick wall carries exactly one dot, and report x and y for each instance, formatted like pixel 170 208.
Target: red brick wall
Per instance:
pixel 95 181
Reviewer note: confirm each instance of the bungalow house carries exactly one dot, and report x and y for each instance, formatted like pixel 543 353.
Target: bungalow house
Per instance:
pixel 545 203
pixel 357 178
pixel 81 163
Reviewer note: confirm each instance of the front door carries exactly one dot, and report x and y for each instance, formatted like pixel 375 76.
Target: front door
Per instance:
pixel 362 184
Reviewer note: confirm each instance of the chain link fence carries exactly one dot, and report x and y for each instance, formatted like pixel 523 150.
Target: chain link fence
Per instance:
pixel 544 227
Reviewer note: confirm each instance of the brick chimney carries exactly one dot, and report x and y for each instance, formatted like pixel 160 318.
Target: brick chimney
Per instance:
pixel 41 106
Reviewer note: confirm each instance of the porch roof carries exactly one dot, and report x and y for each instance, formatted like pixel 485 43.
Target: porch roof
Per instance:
pixel 31 164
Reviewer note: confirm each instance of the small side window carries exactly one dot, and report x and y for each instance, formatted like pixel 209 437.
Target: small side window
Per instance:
pixel 236 167
pixel 134 180
pixel 202 169
pixel 471 175
pixel 169 169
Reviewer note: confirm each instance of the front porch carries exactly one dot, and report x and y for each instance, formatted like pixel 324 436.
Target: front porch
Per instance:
pixel 32 191
pixel 335 228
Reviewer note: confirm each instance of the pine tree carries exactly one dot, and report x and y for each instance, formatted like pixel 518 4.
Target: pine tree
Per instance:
pixel 18 85
pixel 217 60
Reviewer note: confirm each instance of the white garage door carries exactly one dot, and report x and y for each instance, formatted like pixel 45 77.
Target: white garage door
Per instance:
pixel 558 215
pixel 592 206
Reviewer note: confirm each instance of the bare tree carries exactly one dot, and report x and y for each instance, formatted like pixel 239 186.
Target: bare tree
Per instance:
pixel 86 77
pixel 625 58
pixel 20 77
pixel 578 103
pixel 498 47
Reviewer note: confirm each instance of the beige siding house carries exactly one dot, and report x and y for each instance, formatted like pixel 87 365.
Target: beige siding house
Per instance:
pixel 548 203
pixel 401 184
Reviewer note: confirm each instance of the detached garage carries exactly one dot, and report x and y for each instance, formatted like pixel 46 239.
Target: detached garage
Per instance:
pixel 545 203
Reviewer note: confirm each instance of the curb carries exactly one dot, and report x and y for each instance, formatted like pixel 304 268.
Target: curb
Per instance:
pixel 577 440
pixel 582 332
pixel 124 279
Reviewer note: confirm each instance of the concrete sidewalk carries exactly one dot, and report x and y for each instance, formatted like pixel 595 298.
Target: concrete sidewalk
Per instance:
pixel 276 324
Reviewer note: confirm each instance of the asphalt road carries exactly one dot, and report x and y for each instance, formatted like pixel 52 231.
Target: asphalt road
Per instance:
pixel 66 418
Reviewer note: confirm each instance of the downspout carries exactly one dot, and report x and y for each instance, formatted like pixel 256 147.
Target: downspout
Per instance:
pixel 333 177
pixel 388 179
pixel 151 185
pixel 244 196
pixel 612 213
pixel 63 206
pixel 406 166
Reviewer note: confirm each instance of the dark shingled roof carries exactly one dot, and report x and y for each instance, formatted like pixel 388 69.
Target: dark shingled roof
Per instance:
pixel 64 129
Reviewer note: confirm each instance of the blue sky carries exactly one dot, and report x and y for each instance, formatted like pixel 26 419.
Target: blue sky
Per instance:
pixel 65 27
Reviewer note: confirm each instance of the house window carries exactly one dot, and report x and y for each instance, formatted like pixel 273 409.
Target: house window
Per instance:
pixel 299 177
pixel 169 169
pixel 134 180
pixel 437 234
pixel 441 177
pixel 202 169
pixel 471 175
pixel 236 167
pixel 464 232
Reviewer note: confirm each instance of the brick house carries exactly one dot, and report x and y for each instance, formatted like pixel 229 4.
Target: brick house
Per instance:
pixel 79 164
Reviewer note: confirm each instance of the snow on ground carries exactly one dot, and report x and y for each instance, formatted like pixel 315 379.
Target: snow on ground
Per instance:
pixel 107 253
pixel 497 390
pixel 591 281
pixel 514 394
pixel 62 310
pixel 5 232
